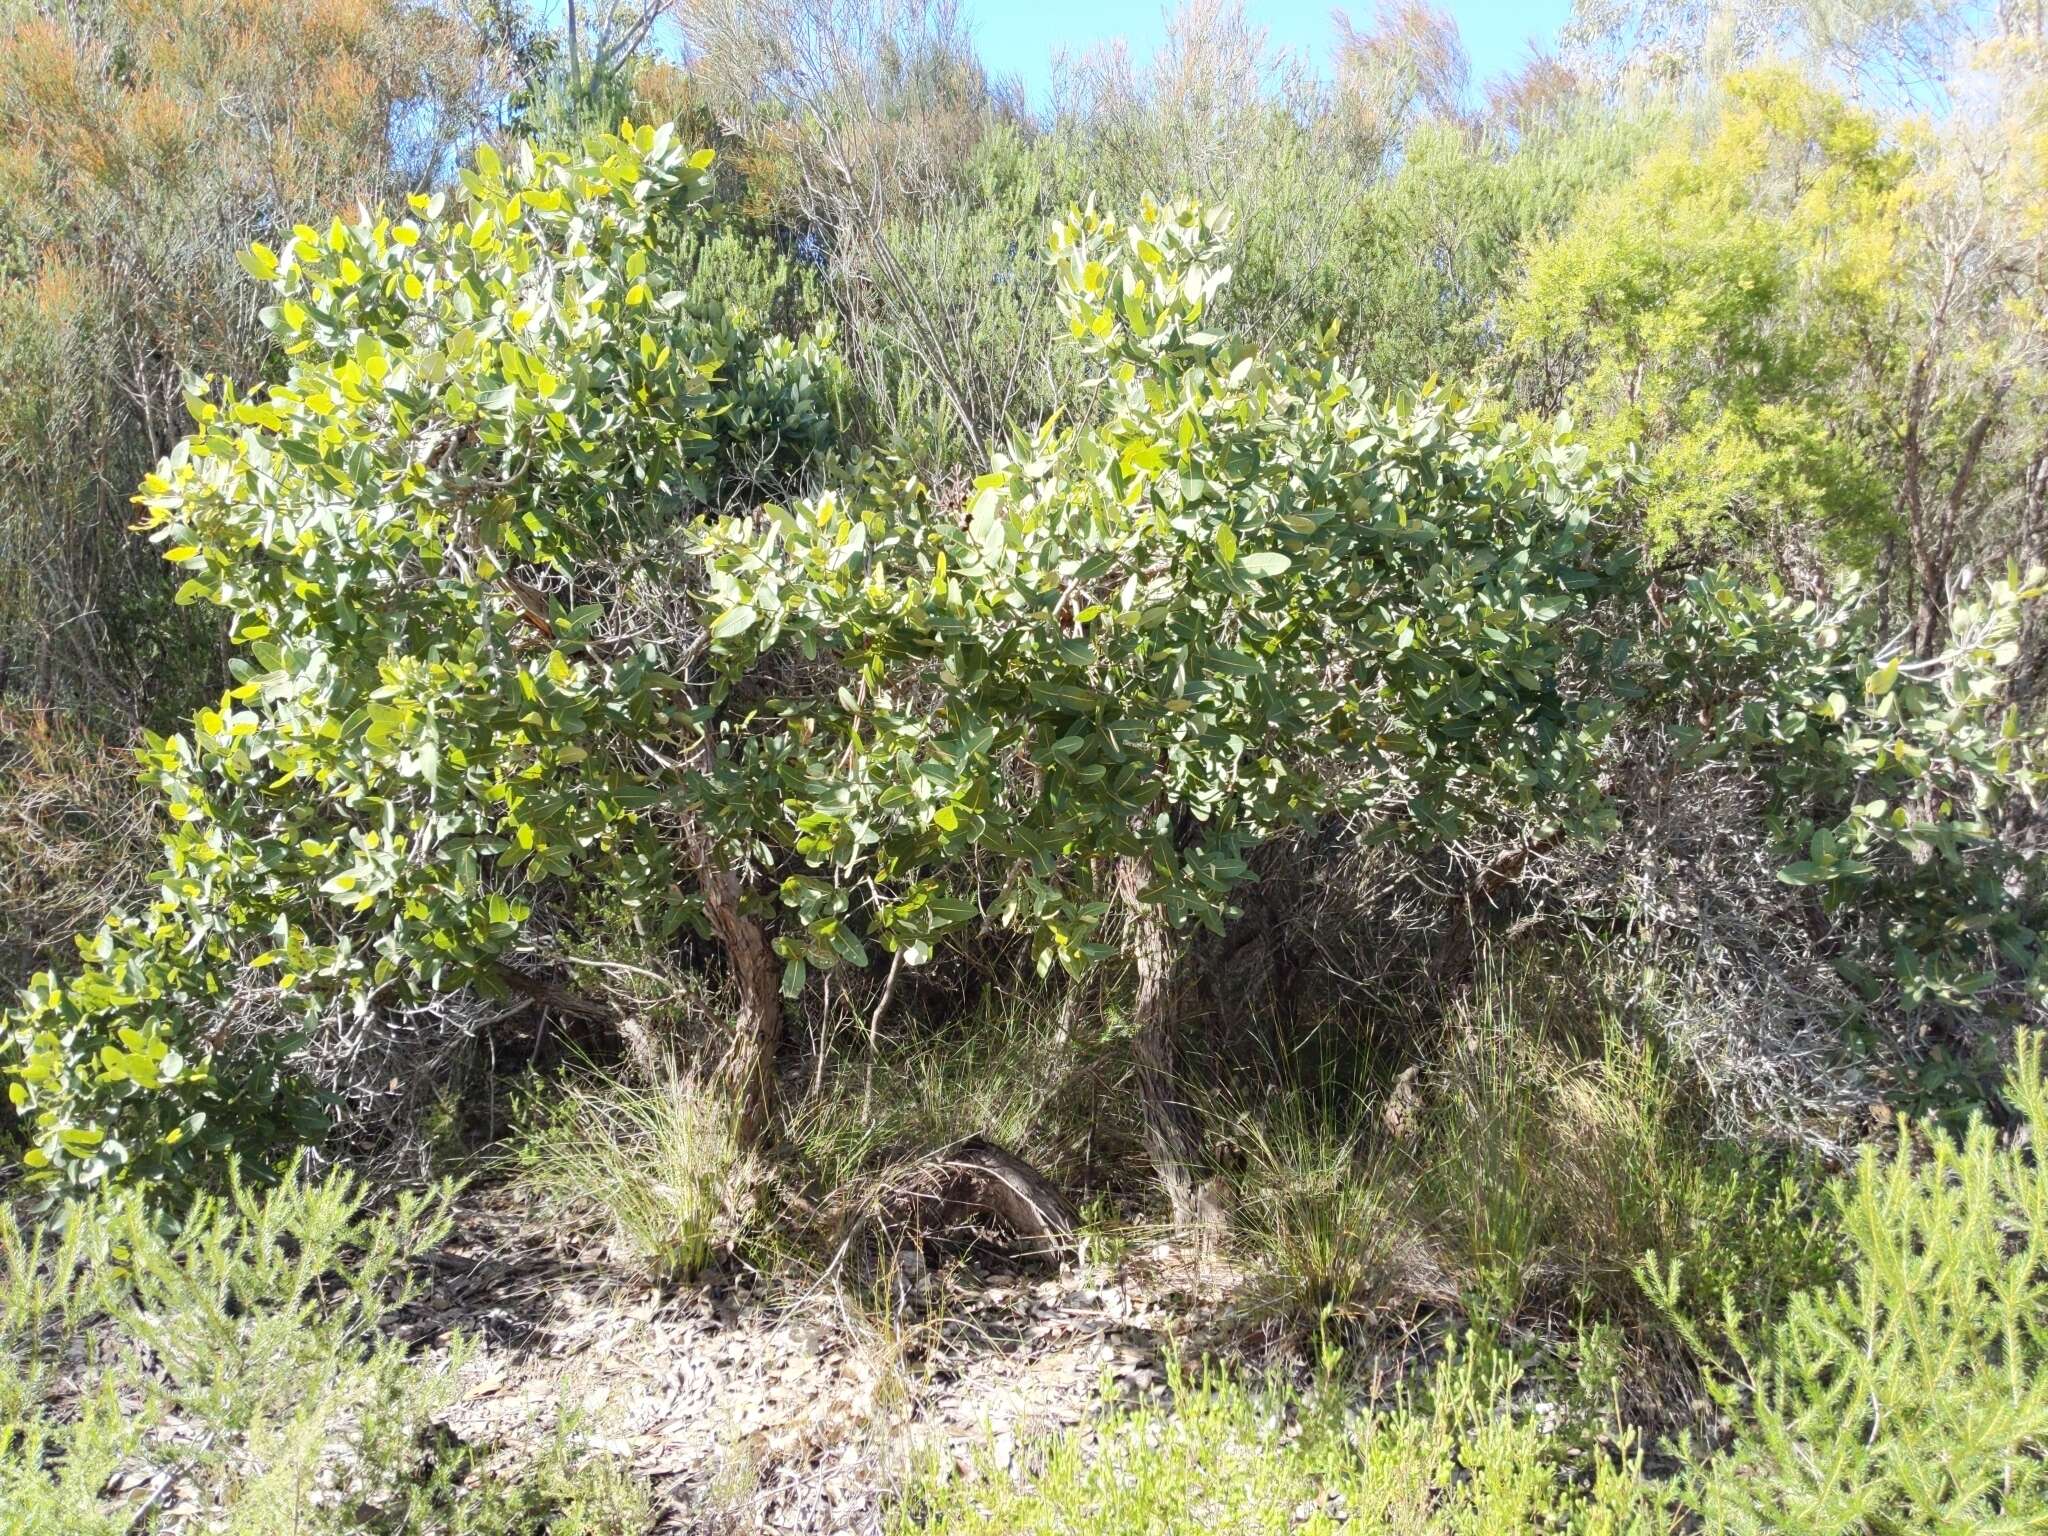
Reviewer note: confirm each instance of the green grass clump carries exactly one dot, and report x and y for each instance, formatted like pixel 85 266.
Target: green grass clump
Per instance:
pixel 656 1166
pixel 1325 1220
pixel 1227 1458
pixel 1520 1170
pixel 1014 1071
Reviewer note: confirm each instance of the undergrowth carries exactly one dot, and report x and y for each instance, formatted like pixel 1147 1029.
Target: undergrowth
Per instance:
pixel 655 1167
pixel 1227 1458
pixel 1874 1346
pixel 1910 1395
pixel 1518 1171
pixel 75 835
pixel 240 1376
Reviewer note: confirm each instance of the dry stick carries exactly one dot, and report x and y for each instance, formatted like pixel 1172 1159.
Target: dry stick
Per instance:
pixel 167 1478
pixel 825 1033
pixel 874 1028
pixel 551 994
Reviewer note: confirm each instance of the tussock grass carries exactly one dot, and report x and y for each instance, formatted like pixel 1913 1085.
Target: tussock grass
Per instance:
pixel 1521 1168
pixel 1325 1217
pixel 1039 1079
pixel 654 1166
pixel 1019 1071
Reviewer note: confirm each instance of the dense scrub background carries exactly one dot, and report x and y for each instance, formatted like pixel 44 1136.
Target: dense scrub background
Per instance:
pixel 1781 267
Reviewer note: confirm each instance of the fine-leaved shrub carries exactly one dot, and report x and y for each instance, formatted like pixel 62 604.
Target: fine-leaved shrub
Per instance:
pixel 241 1376
pixel 1913 1395
pixel 1222 1458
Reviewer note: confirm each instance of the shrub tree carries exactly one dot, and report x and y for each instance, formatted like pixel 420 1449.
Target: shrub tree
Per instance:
pixel 1246 596
pixel 424 538
pixel 1249 596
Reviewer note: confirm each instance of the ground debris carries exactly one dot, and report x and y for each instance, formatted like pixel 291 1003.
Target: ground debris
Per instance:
pixel 754 1410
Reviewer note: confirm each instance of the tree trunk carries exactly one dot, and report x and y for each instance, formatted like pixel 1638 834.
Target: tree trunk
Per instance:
pixel 747 1075
pixel 1938 558
pixel 1173 1129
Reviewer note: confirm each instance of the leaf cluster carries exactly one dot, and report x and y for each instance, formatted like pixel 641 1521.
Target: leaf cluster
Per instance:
pixel 1248 594
pixel 1898 788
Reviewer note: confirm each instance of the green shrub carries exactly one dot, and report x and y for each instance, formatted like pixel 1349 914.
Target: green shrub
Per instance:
pixel 1711 325
pixel 238 1376
pixel 1248 594
pixel 657 1167
pixel 490 400
pixel 1225 1459
pixel 1887 780
pixel 1913 1395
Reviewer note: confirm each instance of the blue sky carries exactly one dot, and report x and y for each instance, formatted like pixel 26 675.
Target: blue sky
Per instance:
pixel 1017 37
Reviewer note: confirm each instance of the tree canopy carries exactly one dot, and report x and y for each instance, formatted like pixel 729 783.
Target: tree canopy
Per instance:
pixel 489 398
pixel 1248 595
